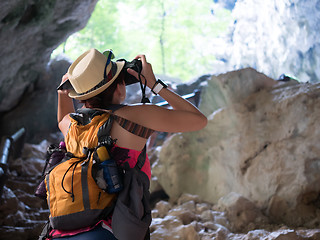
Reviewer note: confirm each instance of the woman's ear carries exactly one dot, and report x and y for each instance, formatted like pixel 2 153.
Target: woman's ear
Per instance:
pixel 119 94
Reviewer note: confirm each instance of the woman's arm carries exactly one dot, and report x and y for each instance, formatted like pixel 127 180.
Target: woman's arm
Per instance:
pixel 65 106
pixel 182 118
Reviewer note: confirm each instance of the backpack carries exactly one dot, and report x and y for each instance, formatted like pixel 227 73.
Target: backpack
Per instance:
pixel 74 198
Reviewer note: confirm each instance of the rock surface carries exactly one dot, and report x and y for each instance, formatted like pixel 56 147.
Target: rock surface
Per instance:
pixel 274 37
pixel 22 215
pixel 29 32
pixel 192 219
pixel 235 217
pixel 261 143
pixel 37 111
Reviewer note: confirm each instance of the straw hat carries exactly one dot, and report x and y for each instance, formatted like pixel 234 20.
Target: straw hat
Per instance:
pixel 92 73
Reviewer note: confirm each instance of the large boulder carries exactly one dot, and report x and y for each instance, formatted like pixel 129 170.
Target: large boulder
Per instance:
pixel 29 31
pixel 37 111
pixel 232 87
pixel 262 143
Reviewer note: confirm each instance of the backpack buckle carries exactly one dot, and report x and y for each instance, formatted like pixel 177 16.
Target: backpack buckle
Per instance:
pixel 87 152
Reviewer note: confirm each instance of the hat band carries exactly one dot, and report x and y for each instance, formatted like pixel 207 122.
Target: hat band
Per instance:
pixel 110 75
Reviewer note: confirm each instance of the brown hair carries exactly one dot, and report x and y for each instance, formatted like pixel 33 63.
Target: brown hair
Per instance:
pixel 104 99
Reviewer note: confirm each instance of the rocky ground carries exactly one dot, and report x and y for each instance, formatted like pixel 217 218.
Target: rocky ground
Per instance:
pixel 22 215
pixel 192 219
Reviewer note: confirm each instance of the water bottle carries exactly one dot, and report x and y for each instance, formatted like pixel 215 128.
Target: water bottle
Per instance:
pixel 54 156
pixel 110 171
pixel 103 153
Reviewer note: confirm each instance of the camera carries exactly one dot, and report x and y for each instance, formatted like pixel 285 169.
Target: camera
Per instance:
pixel 136 65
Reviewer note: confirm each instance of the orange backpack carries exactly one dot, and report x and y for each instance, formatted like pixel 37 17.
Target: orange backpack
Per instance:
pixel 74 198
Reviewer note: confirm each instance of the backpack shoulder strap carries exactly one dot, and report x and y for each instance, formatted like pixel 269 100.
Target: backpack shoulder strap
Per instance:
pixel 104 132
pixel 141 158
pixel 133 127
pixel 85 115
pixel 128 125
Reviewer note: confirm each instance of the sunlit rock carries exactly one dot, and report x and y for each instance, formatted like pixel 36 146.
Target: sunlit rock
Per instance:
pixel 235 86
pixel 162 209
pixel 242 214
pixel 263 146
pixel 274 37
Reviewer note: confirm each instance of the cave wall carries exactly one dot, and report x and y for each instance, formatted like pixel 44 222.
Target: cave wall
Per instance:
pixel 29 31
pixel 274 37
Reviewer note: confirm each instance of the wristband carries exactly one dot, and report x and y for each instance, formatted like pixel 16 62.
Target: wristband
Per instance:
pixel 158 86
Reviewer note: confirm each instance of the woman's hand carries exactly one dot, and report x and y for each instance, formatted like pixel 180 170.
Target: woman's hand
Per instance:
pixel 65 106
pixel 146 73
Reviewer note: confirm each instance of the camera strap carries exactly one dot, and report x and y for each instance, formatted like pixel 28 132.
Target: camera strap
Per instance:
pixel 143 90
pixel 138 68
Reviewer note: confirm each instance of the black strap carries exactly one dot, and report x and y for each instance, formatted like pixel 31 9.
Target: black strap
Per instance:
pixel 74 165
pixel 105 129
pixel 84 116
pixel 143 89
pixel 141 158
pixel 104 132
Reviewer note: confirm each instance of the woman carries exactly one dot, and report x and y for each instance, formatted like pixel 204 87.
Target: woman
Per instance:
pixel 85 76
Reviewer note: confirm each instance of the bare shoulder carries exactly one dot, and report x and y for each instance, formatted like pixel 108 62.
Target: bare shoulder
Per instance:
pixel 143 114
pixel 134 111
pixel 163 119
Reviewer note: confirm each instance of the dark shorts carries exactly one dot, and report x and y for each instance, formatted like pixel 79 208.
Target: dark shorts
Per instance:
pixel 97 233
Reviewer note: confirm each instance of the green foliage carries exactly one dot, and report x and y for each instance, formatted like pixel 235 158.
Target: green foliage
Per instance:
pixel 176 36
